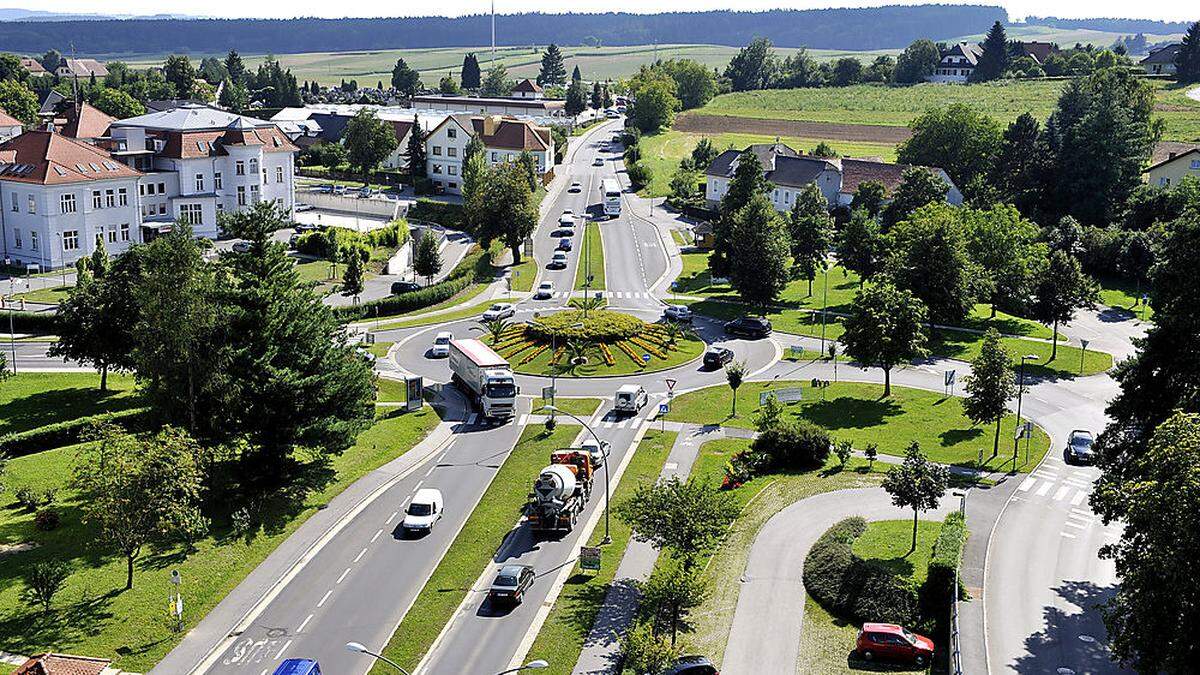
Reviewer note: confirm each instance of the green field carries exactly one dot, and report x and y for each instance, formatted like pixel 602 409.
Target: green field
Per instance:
pixel 662 151
pixel 897 106
pixel 94 616
pixel 856 412
pixel 32 400
pixel 590 251
pixel 46 296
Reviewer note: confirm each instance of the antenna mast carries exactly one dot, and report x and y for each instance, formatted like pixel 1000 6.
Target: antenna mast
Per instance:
pixel 493 30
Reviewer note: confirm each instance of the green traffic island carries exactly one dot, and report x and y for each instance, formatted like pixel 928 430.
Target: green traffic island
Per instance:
pixel 861 571
pixel 595 343
pixel 857 412
pixel 580 407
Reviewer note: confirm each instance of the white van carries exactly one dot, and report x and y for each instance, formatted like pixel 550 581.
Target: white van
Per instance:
pixel 630 398
pixel 423 511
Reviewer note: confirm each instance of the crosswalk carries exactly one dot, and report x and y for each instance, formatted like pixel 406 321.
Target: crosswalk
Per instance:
pixel 612 295
pixel 1049 485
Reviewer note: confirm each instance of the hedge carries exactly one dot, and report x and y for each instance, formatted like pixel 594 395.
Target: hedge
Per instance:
pixel 69 432
pixel 853 588
pixel 947 554
pixel 470 270
pixel 29 322
pixel 442 213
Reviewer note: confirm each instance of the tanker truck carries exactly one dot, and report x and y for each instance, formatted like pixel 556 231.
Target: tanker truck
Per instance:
pixel 560 492
pixel 485 377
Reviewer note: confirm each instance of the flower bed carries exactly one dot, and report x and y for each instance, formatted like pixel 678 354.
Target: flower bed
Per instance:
pixel 598 326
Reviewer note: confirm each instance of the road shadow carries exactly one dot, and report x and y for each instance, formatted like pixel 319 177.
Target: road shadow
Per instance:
pixel 1081 634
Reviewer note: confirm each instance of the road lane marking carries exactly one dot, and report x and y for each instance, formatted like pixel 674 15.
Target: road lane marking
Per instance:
pixel 418 486
pixel 376 536
pixel 304 623
pixel 1026 484
pixel 282 649
pixel 1060 493
pixel 325 597
pixel 1067 535
pixel 1080 495
pixel 430 470
pixel 1082 513
pixel 1041 492
pixel 1078 526
pixel 390 519
pixel 523 421
pixel 360 555
pixel 343 575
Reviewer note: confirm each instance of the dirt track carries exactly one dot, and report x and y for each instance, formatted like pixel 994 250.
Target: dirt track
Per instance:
pixel 716 124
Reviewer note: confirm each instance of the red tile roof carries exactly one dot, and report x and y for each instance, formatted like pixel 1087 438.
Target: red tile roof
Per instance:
pixel 47 158
pixel 528 85
pixel 511 134
pixel 188 144
pixel 400 128
pixel 62 664
pixel 858 171
pixel 86 121
pixel 7 120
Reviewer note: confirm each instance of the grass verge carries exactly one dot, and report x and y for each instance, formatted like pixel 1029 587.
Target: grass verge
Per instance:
pixel 46 296
pixel 591 250
pixel 472 550
pixel 32 400
pixel 688 349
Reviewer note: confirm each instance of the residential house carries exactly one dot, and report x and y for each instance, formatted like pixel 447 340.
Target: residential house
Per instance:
pixel 503 138
pixel 1038 51
pixel 1161 61
pixel 528 89
pixel 60 197
pixel 33 66
pixel 1174 167
pixel 791 172
pixel 65 664
pixel 82 68
pixel 86 122
pixel 10 127
pixel 957 64
pixel 199 162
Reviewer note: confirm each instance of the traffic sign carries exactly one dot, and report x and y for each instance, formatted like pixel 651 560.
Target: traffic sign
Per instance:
pixel 589 558
pixel 645 358
pixel 664 408
pixel 671 384
pixel 949 378
pixel 1085 343
pixel 548 395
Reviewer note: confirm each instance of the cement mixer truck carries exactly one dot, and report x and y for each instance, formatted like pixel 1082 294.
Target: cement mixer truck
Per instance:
pixel 560 492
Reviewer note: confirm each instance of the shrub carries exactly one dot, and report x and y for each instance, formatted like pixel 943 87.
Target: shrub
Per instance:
pixel 29 322
pixel 43 580
pixel 46 520
pixel 600 326
pixel 472 268
pixel 27 498
pixel 644 652
pixel 69 432
pixel 939 590
pixel 442 213
pixel 792 444
pixel 853 588
pixel 639 174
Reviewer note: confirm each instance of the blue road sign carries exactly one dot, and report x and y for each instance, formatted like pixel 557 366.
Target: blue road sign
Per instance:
pixel 645 358
pixel 664 408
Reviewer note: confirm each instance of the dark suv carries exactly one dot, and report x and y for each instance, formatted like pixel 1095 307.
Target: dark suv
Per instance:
pixel 692 665
pixel 716 357
pixel 749 327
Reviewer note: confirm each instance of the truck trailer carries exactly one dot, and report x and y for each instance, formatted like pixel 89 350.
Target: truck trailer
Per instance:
pixel 485 377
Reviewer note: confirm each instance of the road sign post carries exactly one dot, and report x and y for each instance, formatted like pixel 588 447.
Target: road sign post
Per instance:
pixel 1083 343
pixel 663 409
pixel 949 384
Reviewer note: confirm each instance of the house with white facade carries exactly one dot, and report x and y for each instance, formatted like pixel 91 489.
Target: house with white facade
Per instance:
pixel 1161 61
pixel 957 64
pixel 503 138
pixel 1174 168
pixel 198 162
pixel 791 172
pixel 10 127
pixel 62 196
pixel 527 99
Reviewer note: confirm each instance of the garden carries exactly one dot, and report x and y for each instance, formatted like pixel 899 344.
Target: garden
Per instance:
pixel 595 343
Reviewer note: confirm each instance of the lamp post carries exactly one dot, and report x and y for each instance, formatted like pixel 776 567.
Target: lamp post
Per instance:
pixel 1020 393
pixel 532 665
pixel 607 539
pixel 359 648
pixel 12 336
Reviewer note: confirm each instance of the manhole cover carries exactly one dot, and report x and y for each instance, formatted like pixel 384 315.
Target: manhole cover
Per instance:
pixel 1087 638
pixel 1065 671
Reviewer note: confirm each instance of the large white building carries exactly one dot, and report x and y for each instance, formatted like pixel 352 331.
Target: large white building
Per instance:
pixel 199 161
pixel 503 138
pixel 957 63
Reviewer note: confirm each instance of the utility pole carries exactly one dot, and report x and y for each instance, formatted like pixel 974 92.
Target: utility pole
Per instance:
pixel 493 31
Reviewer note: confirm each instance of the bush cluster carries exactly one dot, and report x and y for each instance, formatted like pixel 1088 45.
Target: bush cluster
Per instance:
pixel 599 326
pixel 68 432
pixel 792 444
pixel 450 215
pixel 853 588
pixel 46 520
pixel 939 590
pixel 34 500
pixel 471 268
pixel 41 323
pixel 322 243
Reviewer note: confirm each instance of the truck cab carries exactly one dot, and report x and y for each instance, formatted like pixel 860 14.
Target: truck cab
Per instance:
pixel 485 377
pixel 499 394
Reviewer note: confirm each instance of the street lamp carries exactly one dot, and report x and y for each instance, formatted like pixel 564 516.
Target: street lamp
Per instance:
pixel 1020 393
pixel 532 665
pixel 359 648
pixel 607 539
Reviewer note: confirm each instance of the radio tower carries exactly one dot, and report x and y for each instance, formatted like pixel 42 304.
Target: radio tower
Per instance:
pixel 493 30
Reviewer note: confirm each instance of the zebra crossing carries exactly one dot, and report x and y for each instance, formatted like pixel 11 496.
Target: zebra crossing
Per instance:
pixel 612 295
pixel 1047 484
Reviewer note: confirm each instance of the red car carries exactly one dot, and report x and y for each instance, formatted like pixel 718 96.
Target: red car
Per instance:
pixel 889 642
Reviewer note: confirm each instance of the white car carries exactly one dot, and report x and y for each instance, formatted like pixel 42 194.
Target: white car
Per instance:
pixel 566 221
pixel 545 291
pixel 597 451
pixel 558 261
pixel 423 511
pixel 441 345
pixel 576 186
pixel 680 313
pixel 599 161
pixel 630 398
pixel 500 310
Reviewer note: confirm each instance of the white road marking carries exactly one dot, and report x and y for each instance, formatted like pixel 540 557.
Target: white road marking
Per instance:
pixel 360 554
pixel 325 597
pixel 1062 492
pixel 471 418
pixel 303 624
pixel 1041 492
pixel 1078 526
pixel 391 518
pixel 343 575
pixel 282 649
pixel 430 470
pixel 376 536
pixel 1026 484
pixel 1080 495
pixel 1080 513
pixel 1068 536
pixel 523 421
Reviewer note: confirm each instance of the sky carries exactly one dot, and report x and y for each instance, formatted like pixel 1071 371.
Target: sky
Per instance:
pixel 1168 10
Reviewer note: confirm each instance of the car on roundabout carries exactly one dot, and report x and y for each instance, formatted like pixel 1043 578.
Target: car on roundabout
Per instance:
pixel 566 221
pixel 441 345
pixel 510 584
pixel 399 287
pixel 680 313
pixel 576 186
pixel 716 357
pixel 500 310
pixel 545 291
pixel 1080 447
pixel 599 161
pixel 751 327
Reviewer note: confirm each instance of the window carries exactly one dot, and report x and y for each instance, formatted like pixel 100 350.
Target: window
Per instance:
pixel 253 194
pixel 437 149
pixel 192 214
pixel 254 167
pixel 124 231
pixel 199 182
pixel 33 242
pixel 141 189
pixel 70 240
pixel 239 168
pixel 112 236
pixel 453 170
pixel 162 209
pixel 279 174
pixel 110 198
pixel 17 238
pixel 66 203
pixel 217 180
pixel 97 200
pixel 32 205
pixel 241 193
pixel 452 185
pixel 162 188
pixel 14 202
pixel 452 151
pixel 437 168
pixel 451 132
pixel 264 174
pixel 123 197
pixel 494 156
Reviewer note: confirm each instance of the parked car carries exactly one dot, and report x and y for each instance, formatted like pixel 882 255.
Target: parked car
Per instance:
pixel 1079 447
pixel 305 227
pixel 681 313
pixel 597 451
pixel 749 327
pixel 630 398
pixel 500 310
pixel 576 186
pixel 339 189
pixel 545 291
pixel 399 287
pixel 300 208
pixel 565 244
pixel 241 247
pixel 889 642
pixel 691 665
pixel 558 261
pixel 611 114
pixel 599 161
pixel 716 357
pixel 326 188
pixel 365 191
pixel 510 584
pixel 423 511
pixel 441 345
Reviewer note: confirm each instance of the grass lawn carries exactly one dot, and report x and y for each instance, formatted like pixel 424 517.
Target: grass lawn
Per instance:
pixel 379 349
pixel 94 616
pixel 662 151
pixel 591 251
pixel 760 499
pixel 855 412
pixel 523 275
pixel 388 390
pixel 887 542
pixel 561 637
pixel 47 296
pixel 582 407
pixel 495 514
pixel 1123 295
pixel 31 400
pixel 445 317
pixel 688 350
pixel 680 238
pixel 318 271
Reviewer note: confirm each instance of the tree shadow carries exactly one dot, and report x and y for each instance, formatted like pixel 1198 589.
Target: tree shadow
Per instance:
pixel 67 623
pixel 848 412
pixel 955 436
pixel 1079 636
pixel 55 405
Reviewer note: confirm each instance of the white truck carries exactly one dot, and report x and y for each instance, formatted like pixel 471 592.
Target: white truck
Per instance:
pixel 485 377
pixel 610 197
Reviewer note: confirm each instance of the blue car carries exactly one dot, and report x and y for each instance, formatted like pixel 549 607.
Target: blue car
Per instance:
pixel 298 667
pixel 564 244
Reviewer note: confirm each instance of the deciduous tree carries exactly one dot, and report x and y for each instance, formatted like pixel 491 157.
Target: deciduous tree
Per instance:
pixel 927 254
pixel 181 75
pixel 811 231
pixel 688 519
pixel 861 246
pixel 990 385
pixel 506 208
pixel 958 138
pixel 918 187
pixel 1062 290
pixel 748 180
pixel 755 66
pixel 735 375
pixel 427 259
pixel 886 327
pixel 369 140
pixel 405 80
pixel 917 484
pixel 759 252
pixel 918 61
pixel 670 595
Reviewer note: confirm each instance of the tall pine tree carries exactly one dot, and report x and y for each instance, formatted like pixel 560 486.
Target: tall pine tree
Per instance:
pixel 554 72
pixel 993 63
pixel 471 75
pixel 1187 61
pixel 415 153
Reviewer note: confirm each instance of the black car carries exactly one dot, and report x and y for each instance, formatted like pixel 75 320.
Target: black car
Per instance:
pixel 717 357
pixel 1079 448
pixel 749 327
pixel 399 287
pixel 691 665
pixel 511 583
pixel 564 244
